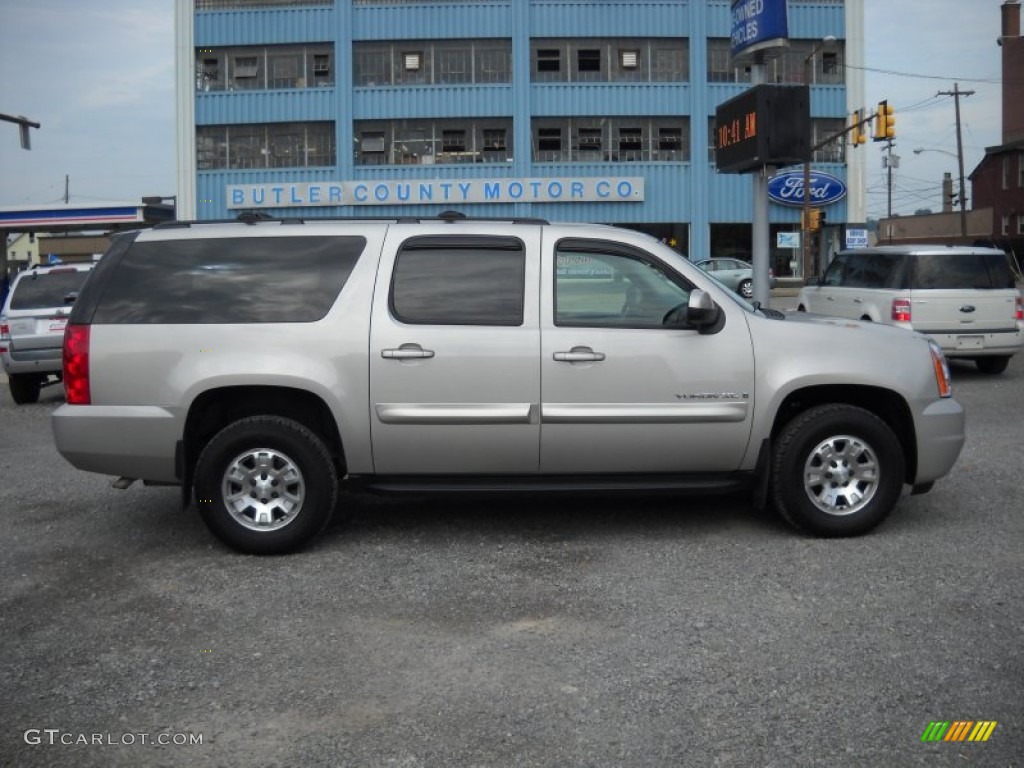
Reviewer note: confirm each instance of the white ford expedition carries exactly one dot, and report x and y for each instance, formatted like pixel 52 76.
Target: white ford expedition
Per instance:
pixel 265 366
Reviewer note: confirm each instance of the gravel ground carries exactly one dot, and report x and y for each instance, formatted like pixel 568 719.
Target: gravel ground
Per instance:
pixel 614 631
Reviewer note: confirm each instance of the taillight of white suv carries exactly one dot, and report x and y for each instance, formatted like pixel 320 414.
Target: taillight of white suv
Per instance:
pixel 1020 308
pixel 5 334
pixel 76 365
pixel 901 310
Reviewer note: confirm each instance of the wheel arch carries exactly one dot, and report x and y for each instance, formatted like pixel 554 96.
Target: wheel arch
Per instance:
pixel 887 405
pixel 214 409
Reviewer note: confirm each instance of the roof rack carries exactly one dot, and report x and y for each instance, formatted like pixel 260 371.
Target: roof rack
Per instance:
pixel 256 217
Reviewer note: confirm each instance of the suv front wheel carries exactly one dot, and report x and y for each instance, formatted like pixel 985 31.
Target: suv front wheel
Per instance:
pixel 837 470
pixel 265 485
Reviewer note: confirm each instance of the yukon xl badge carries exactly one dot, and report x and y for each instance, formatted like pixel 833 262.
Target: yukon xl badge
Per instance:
pixel 714 396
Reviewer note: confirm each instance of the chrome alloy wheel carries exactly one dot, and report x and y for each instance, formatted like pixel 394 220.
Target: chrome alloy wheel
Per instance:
pixel 263 489
pixel 841 475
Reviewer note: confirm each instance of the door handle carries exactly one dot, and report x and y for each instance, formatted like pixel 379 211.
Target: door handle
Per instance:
pixel 579 355
pixel 407 352
pixel 858 301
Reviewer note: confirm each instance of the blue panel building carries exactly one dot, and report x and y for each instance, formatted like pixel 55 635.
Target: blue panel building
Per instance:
pixel 560 109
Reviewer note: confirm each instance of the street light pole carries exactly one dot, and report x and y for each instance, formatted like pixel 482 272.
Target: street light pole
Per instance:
pixel 959 155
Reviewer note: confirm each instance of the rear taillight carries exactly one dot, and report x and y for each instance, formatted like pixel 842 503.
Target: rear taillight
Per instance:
pixel 5 329
pixel 76 365
pixel 1020 308
pixel 901 310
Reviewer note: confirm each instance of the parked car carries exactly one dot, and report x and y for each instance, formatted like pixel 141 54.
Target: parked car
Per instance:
pixel 736 274
pixel 32 324
pixel 266 367
pixel 964 298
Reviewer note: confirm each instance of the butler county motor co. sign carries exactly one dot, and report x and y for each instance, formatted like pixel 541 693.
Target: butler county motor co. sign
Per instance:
pixel 596 189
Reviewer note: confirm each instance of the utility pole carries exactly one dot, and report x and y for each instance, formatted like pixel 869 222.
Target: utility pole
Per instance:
pixel 956 93
pixel 67 180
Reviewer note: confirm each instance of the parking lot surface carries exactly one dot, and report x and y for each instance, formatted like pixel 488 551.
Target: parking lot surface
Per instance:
pixel 550 631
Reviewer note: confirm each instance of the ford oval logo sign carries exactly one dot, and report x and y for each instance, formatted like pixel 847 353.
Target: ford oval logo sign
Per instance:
pixel 788 188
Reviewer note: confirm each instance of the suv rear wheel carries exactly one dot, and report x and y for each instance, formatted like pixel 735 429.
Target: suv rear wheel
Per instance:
pixel 837 470
pixel 992 364
pixel 265 485
pixel 25 387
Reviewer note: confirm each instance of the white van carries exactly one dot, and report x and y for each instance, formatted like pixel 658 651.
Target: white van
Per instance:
pixel 964 298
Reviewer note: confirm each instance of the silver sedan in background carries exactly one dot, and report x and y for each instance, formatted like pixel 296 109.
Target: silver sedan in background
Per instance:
pixel 735 274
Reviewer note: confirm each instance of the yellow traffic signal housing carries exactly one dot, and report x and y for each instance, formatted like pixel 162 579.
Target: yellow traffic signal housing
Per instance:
pixel 857 134
pixel 885 122
pixel 812 221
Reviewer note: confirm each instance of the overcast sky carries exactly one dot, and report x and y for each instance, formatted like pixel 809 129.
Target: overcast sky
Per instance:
pixel 99 77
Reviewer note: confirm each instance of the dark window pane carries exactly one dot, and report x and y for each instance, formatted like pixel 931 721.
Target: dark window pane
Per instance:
pixel 589 60
pixel 229 280
pixel 46 290
pixel 953 271
pixel 548 60
pixel 467 282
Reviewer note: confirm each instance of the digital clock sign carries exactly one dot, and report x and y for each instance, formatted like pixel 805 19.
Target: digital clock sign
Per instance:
pixel 765 125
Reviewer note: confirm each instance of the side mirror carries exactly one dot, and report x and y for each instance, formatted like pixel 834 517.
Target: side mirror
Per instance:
pixel 701 310
pixel 69 298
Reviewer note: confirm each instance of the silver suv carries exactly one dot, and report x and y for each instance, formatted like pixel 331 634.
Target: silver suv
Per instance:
pixel 965 299
pixel 32 324
pixel 263 366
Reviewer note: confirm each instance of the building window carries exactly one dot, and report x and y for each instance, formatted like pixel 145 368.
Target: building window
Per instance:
pixel 588 60
pixel 264 67
pixel 209 5
pixel 549 61
pixel 835 150
pixel 1005 229
pixel 1020 223
pixel 626 139
pixel 1006 173
pixel 426 142
pixel 1020 170
pixel 609 61
pixel 385 64
pixel 412 61
pixel 265 145
pixel 589 139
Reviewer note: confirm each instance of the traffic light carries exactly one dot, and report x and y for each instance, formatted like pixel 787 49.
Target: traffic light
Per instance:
pixel 885 122
pixel 857 135
pixel 812 222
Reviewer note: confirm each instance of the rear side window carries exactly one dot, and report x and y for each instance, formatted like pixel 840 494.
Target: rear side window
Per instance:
pixel 872 270
pixel 459 281
pixel 983 271
pixel 229 280
pixel 47 290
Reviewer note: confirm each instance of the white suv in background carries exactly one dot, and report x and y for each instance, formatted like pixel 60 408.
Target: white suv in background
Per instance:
pixel 964 298
pixel 32 325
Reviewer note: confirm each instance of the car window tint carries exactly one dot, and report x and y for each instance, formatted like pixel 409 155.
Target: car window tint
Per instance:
pixel 229 280
pixel 46 290
pixel 871 270
pixel 953 271
pixel 834 273
pixel 599 288
pixel 459 281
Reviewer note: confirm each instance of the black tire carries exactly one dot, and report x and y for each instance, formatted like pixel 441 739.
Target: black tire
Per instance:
pixel 746 289
pixel 265 485
pixel 992 364
pixel 868 471
pixel 24 387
